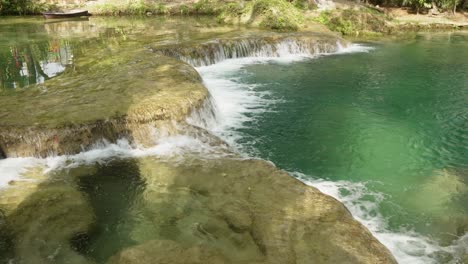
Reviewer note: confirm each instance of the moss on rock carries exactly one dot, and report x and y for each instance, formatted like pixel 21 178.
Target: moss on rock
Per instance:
pixel 354 22
pixel 242 211
pixel 44 224
pixel 101 101
pixel 273 14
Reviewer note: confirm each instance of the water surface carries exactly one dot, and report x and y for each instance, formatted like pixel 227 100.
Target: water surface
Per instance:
pixel 394 119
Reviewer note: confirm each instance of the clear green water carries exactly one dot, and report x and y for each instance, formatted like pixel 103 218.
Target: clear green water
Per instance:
pixel 395 118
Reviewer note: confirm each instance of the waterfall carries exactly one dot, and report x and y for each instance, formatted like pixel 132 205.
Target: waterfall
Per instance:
pixel 205 116
pixel 213 52
pixel 209 115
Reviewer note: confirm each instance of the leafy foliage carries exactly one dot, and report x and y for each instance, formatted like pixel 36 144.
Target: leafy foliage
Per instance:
pixel 278 14
pixel 22 7
pixel 353 22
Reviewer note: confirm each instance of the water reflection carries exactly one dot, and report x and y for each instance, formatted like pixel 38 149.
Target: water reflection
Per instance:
pixel 33 60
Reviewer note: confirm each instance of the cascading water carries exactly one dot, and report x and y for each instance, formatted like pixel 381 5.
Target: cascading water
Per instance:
pixel 219 50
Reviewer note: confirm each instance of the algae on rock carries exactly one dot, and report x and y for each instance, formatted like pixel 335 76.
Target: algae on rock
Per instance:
pixel 242 211
pixel 72 112
pixel 44 224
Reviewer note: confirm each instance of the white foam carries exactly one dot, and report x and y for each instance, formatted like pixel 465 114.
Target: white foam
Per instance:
pixel 353 48
pixel 235 103
pixel 406 245
pixel 12 169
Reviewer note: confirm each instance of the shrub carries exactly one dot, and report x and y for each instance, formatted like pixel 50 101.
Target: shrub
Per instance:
pixel 278 14
pixel 349 22
pixel 22 7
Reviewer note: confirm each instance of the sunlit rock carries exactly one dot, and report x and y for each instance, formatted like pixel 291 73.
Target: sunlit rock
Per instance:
pixel 248 212
pixel 74 111
pixel 166 251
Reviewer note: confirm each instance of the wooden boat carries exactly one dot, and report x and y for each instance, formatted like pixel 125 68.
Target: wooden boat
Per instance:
pixel 68 14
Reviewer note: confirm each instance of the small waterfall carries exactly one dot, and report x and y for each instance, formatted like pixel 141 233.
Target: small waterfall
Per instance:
pixel 213 52
pixel 206 115
pixel 210 115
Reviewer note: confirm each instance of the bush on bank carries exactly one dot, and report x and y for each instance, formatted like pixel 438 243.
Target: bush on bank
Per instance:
pixel 354 22
pixel 272 14
pixel 22 7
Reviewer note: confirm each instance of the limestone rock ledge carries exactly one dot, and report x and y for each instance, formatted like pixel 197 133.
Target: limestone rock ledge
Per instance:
pixel 72 112
pixel 251 44
pixel 242 211
pixel 131 92
pixel 199 211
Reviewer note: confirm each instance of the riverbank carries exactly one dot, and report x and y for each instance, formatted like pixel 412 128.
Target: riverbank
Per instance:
pixel 346 17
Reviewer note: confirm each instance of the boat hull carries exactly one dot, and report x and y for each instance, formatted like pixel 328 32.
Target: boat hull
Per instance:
pixel 54 15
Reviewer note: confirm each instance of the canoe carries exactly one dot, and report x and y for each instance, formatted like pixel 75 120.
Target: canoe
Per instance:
pixel 77 13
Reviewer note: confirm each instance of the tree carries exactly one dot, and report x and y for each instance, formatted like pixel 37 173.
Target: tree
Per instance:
pixel 417 4
pixel 450 5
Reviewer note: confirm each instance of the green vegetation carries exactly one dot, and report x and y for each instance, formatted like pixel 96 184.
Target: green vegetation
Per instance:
pixel 278 14
pixel 450 4
pixel 354 22
pixel 22 7
pixel 273 14
pixel 423 5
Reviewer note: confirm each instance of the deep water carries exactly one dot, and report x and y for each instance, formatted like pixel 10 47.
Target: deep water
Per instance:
pixel 386 131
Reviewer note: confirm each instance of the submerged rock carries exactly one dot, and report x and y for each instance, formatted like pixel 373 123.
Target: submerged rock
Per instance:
pixel 440 200
pixel 241 211
pixel 166 251
pixel 44 224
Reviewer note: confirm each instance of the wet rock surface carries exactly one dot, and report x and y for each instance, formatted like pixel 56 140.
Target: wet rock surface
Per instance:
pixel 149 210
pixel 73 111
pixel 43 225
pixel 243 211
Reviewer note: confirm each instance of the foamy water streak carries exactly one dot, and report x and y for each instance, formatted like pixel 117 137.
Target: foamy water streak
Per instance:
pixel 406 245
pixel 175 147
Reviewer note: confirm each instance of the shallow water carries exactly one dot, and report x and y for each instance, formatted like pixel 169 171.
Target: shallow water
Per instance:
pixel 33 50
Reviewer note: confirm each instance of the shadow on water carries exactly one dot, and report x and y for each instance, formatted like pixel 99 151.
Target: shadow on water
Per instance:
pixel 112 191
pixel 74 217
